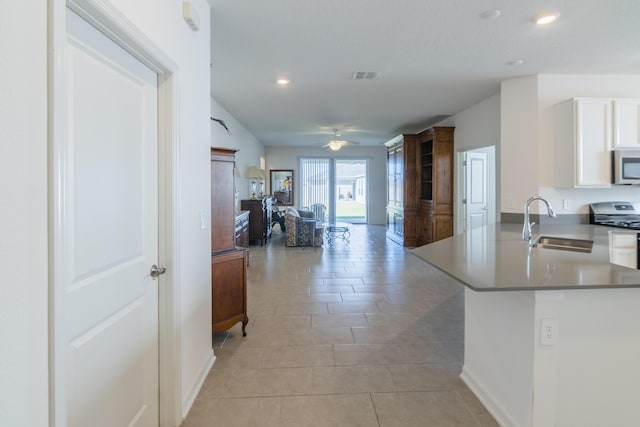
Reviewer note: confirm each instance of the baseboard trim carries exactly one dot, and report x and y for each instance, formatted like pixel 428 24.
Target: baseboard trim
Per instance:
pixel 501 416
pixel 187 403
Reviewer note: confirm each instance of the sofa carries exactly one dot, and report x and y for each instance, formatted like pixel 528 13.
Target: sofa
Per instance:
pixel 302 228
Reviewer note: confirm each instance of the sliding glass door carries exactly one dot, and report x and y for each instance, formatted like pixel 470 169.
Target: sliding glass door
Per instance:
pixel 335 189
pixel 351 190
pixel 315 188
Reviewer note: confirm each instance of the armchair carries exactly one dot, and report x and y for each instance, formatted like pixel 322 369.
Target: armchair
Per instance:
pixel 302 228
pixel 319 210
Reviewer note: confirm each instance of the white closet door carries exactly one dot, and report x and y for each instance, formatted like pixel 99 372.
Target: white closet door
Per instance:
pixel 109 233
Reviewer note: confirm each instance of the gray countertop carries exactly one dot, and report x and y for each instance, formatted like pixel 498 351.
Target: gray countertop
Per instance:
pixel 495 258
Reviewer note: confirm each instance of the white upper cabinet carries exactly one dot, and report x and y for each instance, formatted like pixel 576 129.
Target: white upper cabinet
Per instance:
pixel 583 134
pixel 626 123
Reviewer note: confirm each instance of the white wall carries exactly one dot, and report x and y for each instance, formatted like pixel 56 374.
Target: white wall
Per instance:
pixel 477 128
pixel 23 167
pixel 279 157
pixel 527 164
pixel 499 354
pixel 251 151
pixel 518 143
pixel 23 216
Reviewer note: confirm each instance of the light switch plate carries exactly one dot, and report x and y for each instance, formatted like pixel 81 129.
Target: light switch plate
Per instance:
pixel 204 221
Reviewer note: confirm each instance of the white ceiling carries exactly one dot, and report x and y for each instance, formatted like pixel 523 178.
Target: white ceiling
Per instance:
pixel 434 58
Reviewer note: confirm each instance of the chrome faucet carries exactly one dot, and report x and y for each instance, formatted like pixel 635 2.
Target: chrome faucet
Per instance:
pixel 526 229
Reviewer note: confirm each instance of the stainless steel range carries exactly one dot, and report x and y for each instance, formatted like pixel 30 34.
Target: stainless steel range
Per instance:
pixel 615 214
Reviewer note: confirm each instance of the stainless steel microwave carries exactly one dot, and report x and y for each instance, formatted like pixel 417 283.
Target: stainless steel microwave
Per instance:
pixel 626 167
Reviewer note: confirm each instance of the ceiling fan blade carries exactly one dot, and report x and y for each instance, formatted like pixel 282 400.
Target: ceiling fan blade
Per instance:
pixel 337 144
pixel 349 142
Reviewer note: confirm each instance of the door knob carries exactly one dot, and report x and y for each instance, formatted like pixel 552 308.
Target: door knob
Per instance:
pixel 157 271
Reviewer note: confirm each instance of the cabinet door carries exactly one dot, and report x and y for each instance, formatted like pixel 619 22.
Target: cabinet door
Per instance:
pixel 424 229
pixel 442 227
pixel 395 223
pixel 222 199
pixel 229 290
pixel 391 177
pixel 626 123
pixel 399 196
pixel 390 223
pixel 443 175
pixel 593 143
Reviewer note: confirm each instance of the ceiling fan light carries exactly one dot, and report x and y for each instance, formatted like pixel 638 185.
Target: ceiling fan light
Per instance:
pixel 335 145
pixel 546 18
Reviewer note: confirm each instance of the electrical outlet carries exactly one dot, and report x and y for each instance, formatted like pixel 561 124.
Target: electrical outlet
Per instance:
pixel 509 203
pixel 549 331
pixel 566 204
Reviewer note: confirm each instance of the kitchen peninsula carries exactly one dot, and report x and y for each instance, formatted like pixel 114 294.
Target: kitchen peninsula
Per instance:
pixel 552 337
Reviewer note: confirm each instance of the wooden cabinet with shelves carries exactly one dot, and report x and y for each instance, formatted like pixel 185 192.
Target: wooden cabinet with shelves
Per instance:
pixel 420 186
pixel 435 212
pixel 228 261
pixel 426 170
pixel 402 200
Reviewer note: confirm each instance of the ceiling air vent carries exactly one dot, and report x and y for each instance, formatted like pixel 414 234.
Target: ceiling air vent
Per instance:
pixel 365 75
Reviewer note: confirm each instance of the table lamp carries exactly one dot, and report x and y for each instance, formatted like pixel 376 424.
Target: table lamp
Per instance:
pixel 254 174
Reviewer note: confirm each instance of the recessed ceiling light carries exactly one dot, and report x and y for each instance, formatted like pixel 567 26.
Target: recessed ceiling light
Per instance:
pixel 490 14
pixel 515 62
pixel 282 82
pixel 546 18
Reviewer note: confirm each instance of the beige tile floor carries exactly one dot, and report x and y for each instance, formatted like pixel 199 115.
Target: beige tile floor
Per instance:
pixel 351 334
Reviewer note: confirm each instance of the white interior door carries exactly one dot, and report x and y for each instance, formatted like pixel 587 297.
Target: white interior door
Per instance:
pixel 108 234
pixel 476 189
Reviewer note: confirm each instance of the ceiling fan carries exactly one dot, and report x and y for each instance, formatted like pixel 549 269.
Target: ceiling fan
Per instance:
pixel 337 143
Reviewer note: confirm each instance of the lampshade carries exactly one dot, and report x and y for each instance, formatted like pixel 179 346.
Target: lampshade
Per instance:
pixel 254 173
pixel 335 145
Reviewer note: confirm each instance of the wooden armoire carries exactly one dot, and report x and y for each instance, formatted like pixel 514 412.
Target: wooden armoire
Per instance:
pixel 435 210
pixel 228 262
pixel 420 186
pixel 402 195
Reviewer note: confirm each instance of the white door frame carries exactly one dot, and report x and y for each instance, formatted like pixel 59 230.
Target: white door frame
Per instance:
pixel 112 23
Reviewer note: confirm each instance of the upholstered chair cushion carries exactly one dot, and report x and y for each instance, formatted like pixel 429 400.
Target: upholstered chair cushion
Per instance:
pixel 292 211
pixel 302 230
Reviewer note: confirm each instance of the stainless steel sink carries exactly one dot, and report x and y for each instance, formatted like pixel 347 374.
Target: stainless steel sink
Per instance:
pixel 564 244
